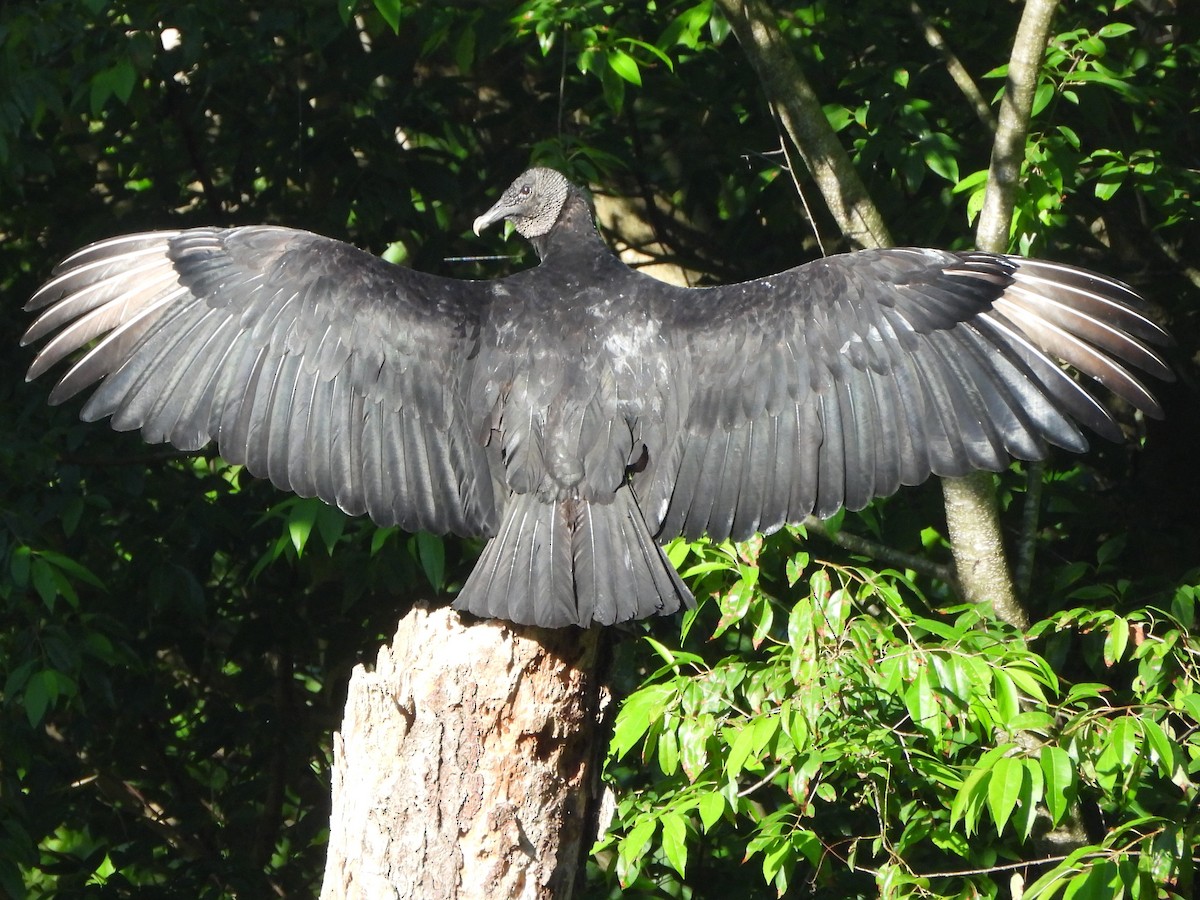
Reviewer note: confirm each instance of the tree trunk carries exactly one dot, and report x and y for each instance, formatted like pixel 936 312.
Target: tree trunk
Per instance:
pixel 465 767
pixel 972 512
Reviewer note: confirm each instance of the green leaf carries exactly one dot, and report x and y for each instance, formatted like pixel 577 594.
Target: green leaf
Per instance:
pixel 711 807
pixel 40 693
pixel 115 81
pixel 390 10
pixel 1163 747
pixel 1118 760
pixel 694 733
pixel 1125 740
pixel 18 565
pixel 975 181
pixel 44 582
pixel 331 525
pixel 972 795
pixel 838 116
pixel 1059 776
pixel 1115 643
pixel 379 538
pixel 750 741
pixel 1115 29
pixel 1101 882
pixel 652 50
pixel 778 858
pixel 624 65
pixel 677 552
pixel 71 567
pixel 1107 186
pixel 1191 704
pixel 633 846
pixel 431 553
pixel 1032 791
pixel 1042 97
pixel 939 156
pixel 637 712
pixel 1004 789
pixel 674 840
pixel 944 630
pixel 19 677
pixel 1008 699
pixel 668 748
pixel 739 751
pixel 1183 606
pixel 302 516
pixel 922 702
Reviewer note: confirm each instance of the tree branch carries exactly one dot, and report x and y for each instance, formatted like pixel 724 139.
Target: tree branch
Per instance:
pixel 858 544
pixel 1012 131
pixel 954 67
pixel 972 513
pixel 799 110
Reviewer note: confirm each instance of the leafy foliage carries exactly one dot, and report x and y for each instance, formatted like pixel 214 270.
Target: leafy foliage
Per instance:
pixel 175 638
pixel 852 740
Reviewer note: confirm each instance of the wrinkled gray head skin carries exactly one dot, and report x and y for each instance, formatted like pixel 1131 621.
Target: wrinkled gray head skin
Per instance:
pixel 532 203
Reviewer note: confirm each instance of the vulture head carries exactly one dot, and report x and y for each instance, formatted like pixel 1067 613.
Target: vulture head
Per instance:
pixel 532 203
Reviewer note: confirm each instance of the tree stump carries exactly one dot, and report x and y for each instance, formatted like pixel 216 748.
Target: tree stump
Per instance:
pixel 465 767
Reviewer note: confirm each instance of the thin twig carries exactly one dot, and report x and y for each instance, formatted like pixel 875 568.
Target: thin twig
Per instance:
pixel 786 147
pixel 898 558
pixel 766 779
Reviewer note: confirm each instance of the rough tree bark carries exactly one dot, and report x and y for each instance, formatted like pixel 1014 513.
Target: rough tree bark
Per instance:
pixel 466 763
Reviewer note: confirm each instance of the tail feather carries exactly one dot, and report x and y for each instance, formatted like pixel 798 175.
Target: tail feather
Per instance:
pixel 573 563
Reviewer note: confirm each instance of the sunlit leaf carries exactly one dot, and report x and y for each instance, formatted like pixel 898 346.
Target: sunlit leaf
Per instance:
pixel 390 10
pixel 674 841
pixel 711 808
pixel 624 65
pixel 1004 789
pixel 1115 643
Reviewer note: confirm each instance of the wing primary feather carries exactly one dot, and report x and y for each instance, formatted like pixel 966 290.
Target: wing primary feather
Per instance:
pixel 1083 324
pixel 93 312
pixel 1057 386
pixel 110 353
pixel 726 478
pixel 130 390
pixel 831 455
pixel 1086 358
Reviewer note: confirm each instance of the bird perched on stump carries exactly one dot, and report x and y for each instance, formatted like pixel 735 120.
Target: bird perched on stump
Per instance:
pixel 578 414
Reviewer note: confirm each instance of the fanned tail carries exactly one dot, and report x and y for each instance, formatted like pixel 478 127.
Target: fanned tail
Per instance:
pixel 573 562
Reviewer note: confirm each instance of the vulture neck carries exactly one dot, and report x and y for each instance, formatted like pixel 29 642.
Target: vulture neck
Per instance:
pixel 575 229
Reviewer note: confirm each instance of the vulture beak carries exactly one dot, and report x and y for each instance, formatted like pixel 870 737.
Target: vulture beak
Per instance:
pixel 500 211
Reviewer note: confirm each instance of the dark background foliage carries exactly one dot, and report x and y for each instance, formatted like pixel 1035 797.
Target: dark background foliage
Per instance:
pixel 176 637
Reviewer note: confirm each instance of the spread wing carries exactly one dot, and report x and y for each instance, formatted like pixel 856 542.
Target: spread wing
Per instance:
pixel 838 381
pixel 321 367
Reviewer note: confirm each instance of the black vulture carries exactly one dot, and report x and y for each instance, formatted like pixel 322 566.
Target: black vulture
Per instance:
pixel 579 413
